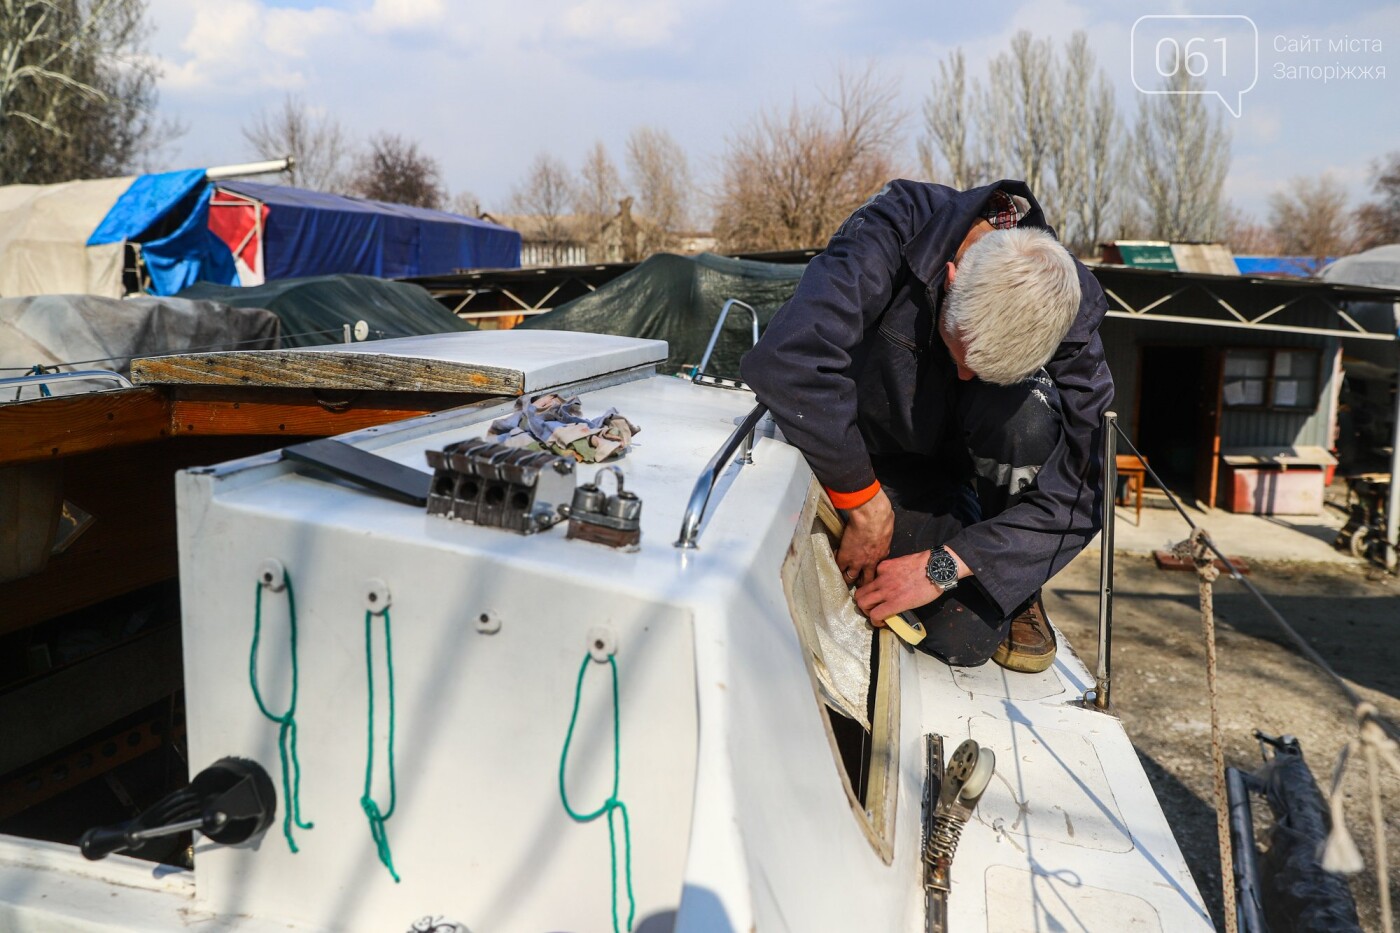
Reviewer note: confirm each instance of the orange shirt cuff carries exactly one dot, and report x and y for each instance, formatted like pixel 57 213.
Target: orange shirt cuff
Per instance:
pixel 851 500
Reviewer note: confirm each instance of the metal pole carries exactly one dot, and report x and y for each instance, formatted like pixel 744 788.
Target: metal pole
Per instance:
pixel 1110 494
pixel 245 169
pixel 1392 506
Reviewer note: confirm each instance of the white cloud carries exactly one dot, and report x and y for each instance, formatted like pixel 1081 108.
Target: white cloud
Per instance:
pixel 622 23
pixel 403 15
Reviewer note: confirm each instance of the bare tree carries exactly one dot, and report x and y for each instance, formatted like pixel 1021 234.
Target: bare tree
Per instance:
pixel 1378 220
pixel 465 203
pixel 595 201
pixel 1044 116
pixel 77 92
pixel 318 144
pixel 946 152
pixel 789 179
pixel 1311 218
pixel 1181 154
pixel 1086 149
pixel 396 170
pixel 1018 108
pixel 544 198
pixel 1245 235
pixel 660 176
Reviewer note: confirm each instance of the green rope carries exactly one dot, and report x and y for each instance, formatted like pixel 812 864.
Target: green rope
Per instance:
pixel 287 734
pixel 376 818
pixel 612 804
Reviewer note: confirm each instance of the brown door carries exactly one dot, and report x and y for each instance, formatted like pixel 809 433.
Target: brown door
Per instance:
pixel 1208 437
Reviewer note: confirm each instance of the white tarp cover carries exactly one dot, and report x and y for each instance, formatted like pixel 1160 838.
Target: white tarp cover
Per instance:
pixel 44 231
pixel 68 330
pixel 1378 268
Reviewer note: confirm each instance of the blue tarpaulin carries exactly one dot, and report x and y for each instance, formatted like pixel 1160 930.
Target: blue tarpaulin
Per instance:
pixel 1299 266
pixel 315 233
pixel 168 214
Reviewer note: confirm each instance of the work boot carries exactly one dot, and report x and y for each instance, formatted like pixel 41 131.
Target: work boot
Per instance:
pixel 1030 643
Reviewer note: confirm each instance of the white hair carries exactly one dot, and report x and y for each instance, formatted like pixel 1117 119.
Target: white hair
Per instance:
pixel 1012 301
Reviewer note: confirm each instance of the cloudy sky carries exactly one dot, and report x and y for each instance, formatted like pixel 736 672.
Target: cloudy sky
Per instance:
pixel 486 86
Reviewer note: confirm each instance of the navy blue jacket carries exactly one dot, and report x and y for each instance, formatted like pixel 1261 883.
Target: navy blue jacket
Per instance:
pixel 852 366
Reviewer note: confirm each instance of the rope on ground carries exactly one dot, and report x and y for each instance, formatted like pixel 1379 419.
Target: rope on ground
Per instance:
pixel 1340 853
pixel 376 818
pixel 612 804
pixel 287 733
pixel 1376 736
pixel 1207 573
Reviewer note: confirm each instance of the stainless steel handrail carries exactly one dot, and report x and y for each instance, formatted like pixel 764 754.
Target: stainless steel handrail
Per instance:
pixel 740 441
pixel 699 370
pixel 44 378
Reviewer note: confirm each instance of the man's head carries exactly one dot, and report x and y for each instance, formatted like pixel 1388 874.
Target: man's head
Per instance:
pixel 1011 297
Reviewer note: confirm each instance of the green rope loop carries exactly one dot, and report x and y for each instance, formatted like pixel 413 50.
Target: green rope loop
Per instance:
pixel 287 733
pixel 612 804
pixel 377 819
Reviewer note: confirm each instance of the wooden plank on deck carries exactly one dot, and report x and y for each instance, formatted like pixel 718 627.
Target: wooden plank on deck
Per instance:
pixel 355 367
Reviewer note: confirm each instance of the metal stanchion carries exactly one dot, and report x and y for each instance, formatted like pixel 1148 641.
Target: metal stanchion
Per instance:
pixel 1110 494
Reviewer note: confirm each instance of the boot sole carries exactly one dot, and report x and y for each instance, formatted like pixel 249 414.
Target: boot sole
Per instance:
pixel 1023 663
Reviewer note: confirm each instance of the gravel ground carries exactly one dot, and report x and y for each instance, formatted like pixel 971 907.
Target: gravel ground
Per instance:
pixel 1350 615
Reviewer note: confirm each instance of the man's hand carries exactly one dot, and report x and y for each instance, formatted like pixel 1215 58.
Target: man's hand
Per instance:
pixel 901 584
pixel 866 540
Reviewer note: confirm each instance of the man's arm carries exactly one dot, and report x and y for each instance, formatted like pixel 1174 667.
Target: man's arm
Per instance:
pixel 801 367
pixel 902 584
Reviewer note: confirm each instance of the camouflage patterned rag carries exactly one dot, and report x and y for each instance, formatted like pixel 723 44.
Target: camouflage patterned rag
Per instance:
pixel 557 424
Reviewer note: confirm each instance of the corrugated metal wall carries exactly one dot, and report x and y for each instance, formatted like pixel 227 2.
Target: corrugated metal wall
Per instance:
pixel 1123 340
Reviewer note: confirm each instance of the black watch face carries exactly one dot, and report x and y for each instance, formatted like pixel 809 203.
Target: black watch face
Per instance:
pixel 942 569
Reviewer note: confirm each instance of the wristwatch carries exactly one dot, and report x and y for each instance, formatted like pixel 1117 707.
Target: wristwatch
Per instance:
pixel 942 570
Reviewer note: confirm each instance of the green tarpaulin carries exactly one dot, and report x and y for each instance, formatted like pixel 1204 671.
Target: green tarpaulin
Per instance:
pixel 315 310
pixel 678 299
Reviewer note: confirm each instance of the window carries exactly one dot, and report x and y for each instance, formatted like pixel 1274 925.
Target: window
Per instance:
pixel 1276 379
pixel 863 732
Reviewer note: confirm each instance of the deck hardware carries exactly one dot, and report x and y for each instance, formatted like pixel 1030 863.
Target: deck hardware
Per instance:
pixel 43 378
pixel 614 520
pixel 740 441
pixel 951 795
pixel 488 623
pixel 698 375
pixel 229 802
pixel 380 475
pixel 602 643
pixel 377 597
pixel 272 574
pixel 485 483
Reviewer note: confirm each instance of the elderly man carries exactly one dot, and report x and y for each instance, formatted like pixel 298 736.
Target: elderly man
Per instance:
pixel 940 368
